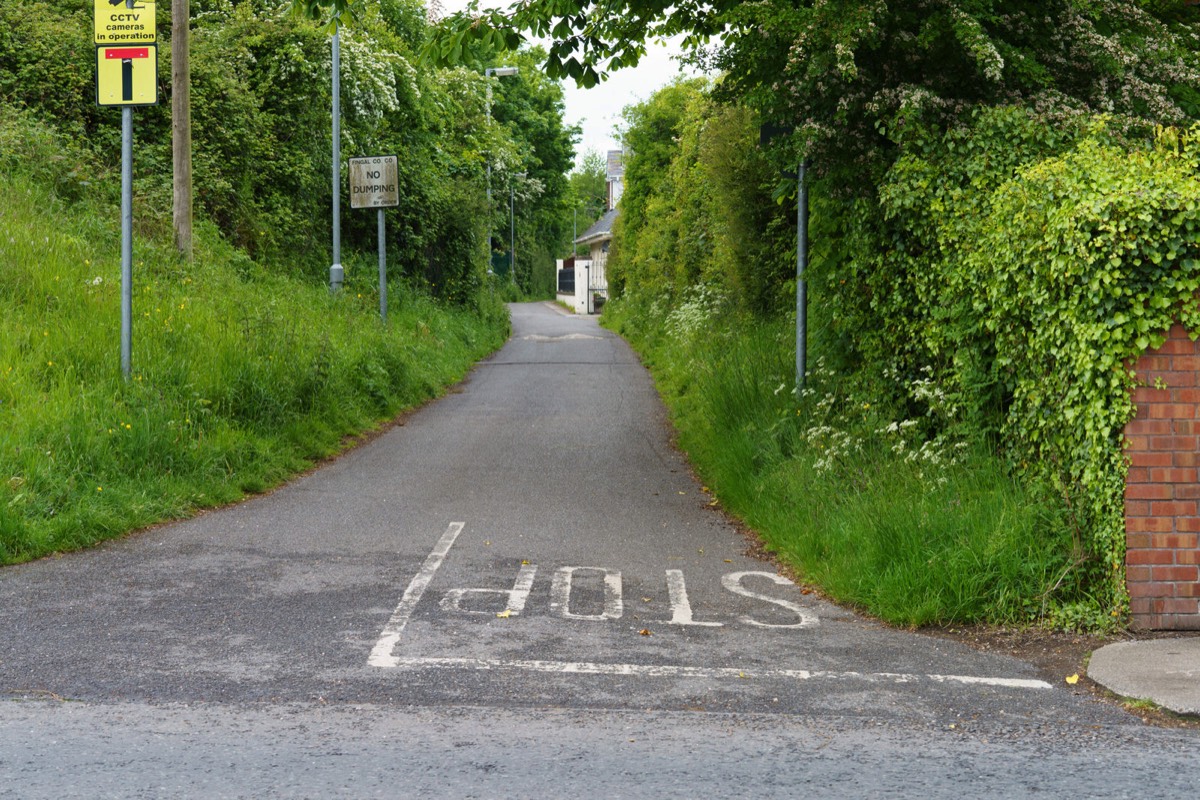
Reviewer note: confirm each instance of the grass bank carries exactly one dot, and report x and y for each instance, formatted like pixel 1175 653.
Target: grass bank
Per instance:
pixel 242 376
pixel 864 501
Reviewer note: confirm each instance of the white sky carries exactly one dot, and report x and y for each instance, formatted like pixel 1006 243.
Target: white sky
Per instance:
pixel 598 110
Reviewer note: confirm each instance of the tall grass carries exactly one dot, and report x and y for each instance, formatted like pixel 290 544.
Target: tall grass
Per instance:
pixel 241 375
pixel 915 532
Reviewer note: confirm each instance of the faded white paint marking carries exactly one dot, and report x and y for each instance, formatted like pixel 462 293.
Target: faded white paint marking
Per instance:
pixel 1013 683
pixel 382 655
pixel 733 582
pixel 710 673
pixel 566 337
pixel 515 598
pixel 560 594
pixel 681 607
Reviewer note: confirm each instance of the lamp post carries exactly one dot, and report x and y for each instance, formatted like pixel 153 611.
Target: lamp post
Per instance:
pixel 499 72
pixel 336 273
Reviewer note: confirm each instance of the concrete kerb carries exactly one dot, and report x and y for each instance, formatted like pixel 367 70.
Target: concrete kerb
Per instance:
pixel 1166 671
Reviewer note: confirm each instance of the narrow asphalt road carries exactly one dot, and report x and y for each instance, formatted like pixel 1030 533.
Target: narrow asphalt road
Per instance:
pixel 520 591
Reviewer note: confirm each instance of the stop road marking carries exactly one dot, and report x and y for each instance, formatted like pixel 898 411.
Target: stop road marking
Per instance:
pixel 561 604
pixel 563 600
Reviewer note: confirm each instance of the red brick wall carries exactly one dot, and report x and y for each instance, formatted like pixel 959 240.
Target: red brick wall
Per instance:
pixel 1162 520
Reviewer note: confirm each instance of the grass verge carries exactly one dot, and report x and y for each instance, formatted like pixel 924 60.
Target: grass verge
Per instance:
pixel 860 500
pixel 241 376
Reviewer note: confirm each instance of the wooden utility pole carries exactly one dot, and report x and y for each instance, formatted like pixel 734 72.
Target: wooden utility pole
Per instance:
pixel 181 126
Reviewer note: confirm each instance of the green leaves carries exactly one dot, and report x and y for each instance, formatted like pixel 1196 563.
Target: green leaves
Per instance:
pixel 1073 262
pixel 330 13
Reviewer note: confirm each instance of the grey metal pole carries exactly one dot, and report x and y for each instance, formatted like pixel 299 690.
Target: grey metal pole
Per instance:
pixel 512 237
pixel 801 285
pixel 126 241
pixel 382 269
pixel 490 210
pixel 487 75
pixel 336 273
pixel 181 128
pixel 499 72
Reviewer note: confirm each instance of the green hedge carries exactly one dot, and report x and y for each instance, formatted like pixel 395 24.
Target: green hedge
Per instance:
pixel 1036 278
pixel 988 297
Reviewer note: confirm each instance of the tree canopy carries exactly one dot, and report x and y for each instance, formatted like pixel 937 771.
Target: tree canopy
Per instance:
pixel 852 75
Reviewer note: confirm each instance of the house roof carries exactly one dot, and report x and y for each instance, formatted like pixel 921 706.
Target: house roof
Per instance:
pixel 601 229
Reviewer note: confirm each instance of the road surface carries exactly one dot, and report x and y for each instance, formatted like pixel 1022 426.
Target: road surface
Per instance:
pixel 521 591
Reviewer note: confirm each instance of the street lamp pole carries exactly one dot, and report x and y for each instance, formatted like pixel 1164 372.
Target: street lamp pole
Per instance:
pixel 499 72
pixel 336 273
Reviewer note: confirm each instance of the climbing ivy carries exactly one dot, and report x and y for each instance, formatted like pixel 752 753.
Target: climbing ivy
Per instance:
pixel 1040 276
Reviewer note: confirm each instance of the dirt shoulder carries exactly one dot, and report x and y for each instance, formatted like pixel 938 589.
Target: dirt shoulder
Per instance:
pixel 1061 655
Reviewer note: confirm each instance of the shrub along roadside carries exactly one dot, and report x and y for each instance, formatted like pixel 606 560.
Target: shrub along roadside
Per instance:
pixel 869 509
pixel 241 378
pixel 1040 284
pixel 979 313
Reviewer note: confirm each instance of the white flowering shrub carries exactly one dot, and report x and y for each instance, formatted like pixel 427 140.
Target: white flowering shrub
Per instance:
pixel 695 314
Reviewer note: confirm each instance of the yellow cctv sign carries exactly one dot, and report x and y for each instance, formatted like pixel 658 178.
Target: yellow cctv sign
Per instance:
pixel 125 22
pixel 127 76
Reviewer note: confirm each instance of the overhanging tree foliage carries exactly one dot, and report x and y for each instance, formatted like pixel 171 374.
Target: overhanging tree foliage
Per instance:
pixel 261 83
pixel 853 75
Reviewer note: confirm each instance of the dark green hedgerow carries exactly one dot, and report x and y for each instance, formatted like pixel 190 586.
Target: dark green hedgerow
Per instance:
pixel 969 332
pixel 1035 284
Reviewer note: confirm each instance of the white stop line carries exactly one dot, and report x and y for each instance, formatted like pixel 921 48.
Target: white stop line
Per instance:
pixel 383 654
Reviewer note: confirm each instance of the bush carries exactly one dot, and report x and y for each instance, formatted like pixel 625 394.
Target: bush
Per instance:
pixel 1028 262
pixel 984 304
pixel 241 376
pixel 261 100
pixel 913 528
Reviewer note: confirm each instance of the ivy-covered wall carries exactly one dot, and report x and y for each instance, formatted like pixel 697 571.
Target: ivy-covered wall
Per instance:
pixel 1029 263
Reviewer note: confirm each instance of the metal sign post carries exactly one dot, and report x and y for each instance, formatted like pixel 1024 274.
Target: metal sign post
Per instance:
pixel 382 267
pixel 126 242
pixel 374 183
pixel 125 33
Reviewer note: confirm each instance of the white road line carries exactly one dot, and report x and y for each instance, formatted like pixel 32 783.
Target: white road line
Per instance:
pixel 679 671
pixel 1016 683
pixel 567 337
pixel 382 655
